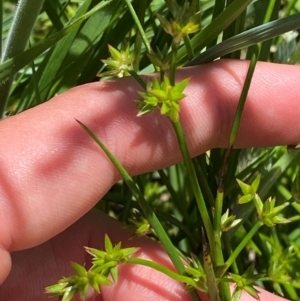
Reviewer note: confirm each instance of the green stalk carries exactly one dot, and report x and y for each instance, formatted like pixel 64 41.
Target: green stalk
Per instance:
pixel 219 259
pixel 195 186
pixel 209 271
pixel 139 25
pixel 218 214
pixel 243 97
pixel 173 64
pixel 224 288
pixel 26 13
pixel 290 5
pixel 147 210
pixel 162 269
pixel 246 87
pixel 188 161
pixel 138 79
pixel 241 246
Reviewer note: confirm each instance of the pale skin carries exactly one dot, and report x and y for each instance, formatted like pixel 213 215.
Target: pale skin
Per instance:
pixel 52 173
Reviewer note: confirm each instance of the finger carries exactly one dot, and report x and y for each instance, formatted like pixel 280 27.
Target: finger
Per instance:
pixel 52 172
pixel 36 268
pixel 46 264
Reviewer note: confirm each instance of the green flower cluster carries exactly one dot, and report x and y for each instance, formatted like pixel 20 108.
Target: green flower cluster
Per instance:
pixel 186 20
pixel 104 264
pixel 164 96
pixel 119 64
pixel 246 283
pixel 267 212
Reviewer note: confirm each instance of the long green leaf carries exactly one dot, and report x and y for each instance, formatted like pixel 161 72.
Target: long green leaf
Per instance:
pixel 248 38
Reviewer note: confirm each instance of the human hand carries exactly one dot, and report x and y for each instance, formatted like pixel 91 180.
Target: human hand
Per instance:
pixel 52 172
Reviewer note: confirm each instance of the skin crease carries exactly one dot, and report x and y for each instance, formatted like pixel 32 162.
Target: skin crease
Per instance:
pixel 45 153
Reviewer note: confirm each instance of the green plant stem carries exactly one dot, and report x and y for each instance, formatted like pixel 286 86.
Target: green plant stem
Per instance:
pixel 139 25
pixel 162 269
pixel 217 217
pixel 26 13
pixel 247 83
pixel 213 236
pixel 270 9
pixel 97 269
pixel 243 97
pixel 248 38
pixel 209 270
pixel 173 64
pixel 242 245
pixel 138 79
pixel 290 5
pixel 219 260
pixel 195 186
pixel 147 210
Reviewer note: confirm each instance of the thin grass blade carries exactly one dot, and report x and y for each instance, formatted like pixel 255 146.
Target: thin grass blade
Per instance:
pixel 248 38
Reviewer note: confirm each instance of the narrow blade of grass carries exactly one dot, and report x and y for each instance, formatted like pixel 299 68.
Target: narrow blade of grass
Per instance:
pixel 248 38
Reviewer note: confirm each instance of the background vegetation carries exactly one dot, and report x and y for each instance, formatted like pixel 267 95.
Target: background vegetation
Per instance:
pixel 55 45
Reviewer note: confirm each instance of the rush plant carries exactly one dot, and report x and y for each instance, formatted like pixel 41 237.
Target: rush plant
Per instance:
pixel 240 219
